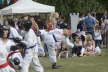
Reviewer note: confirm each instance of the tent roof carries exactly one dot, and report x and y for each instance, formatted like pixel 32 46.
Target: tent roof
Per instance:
pixel 27 6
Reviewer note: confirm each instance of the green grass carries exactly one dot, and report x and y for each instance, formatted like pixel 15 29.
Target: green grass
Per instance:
pixel 79 64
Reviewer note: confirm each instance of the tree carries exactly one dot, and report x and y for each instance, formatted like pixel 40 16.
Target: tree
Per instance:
pixel 64 7
pixel 104 3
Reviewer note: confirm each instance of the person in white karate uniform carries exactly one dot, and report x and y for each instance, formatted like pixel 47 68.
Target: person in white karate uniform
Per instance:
pixel 62 36
pixel 52 37
pixel 5 45
pixel 31 56
pixel 35 27
pixel 13 31
pixel 51 45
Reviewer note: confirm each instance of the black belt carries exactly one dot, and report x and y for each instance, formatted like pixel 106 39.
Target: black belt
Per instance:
pixel 31 46
pixel 23 55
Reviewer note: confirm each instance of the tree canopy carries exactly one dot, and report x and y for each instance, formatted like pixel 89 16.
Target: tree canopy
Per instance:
pixel 65 7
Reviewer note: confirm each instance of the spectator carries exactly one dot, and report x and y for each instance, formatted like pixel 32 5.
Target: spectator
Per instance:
pixel 77 46
pixel 54 18
pixel 89 46
pixel 81 16
pixel 105 16
pixel 106 31
pixel 40 23
pixel 63 23
pixel 80 25
pixel 98 37
pixel 90 23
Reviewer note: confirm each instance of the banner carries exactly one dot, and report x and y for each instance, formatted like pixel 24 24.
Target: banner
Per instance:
pixel 74 21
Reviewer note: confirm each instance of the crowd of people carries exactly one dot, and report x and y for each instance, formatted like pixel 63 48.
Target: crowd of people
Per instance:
pixel 22 40
pixel 4 3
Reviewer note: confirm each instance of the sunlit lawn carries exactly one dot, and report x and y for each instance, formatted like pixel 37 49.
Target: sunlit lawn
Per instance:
pixel 79 64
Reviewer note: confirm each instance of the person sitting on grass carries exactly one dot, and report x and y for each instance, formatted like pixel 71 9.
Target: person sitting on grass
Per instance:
pixel 77 46
pixel 89 45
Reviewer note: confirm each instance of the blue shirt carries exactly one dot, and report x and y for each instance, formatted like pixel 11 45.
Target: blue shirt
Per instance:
pixel 89 22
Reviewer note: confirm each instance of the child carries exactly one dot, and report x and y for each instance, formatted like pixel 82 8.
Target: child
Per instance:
pixel 98 37
pixel 77 46
pixel 89 45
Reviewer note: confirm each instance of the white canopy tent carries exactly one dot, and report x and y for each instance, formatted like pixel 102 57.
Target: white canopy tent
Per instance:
pixel 27 6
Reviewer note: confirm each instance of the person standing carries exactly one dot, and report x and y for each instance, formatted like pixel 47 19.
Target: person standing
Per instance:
pixel 13 31
pixel 90 23
pixel 31 56
pixel 35 27
pixel 97 36
pixel 5 45
pixel 51 44
pixel 106 31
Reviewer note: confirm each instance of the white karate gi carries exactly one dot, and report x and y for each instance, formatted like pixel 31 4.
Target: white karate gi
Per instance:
pixel 4 51
pixel 14 33
pixel 31 56
pixel 50 42
pixel 59 35
pixel 40 47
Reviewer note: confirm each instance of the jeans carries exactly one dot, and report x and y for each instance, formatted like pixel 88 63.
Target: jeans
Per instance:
pixel 98 43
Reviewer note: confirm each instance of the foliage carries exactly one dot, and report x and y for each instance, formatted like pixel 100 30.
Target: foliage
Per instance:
pixel 104 3
pixel 64 7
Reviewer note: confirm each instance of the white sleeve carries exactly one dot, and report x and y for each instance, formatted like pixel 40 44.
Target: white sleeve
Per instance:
pixel 15 34
pixel 42 31
pixel 60 31
pixel 11 43
pixel 68 43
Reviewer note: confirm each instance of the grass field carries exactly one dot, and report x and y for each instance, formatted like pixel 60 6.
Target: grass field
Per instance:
pixel 79 64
